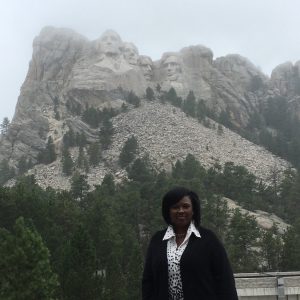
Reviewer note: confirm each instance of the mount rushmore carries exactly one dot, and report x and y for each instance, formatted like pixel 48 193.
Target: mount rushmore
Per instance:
pixel 68 69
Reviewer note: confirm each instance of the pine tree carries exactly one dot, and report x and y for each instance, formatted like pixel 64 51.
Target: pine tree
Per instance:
pixel 79 186
pixel 291 254
pixel 80 139
pixel 172 97
pixel 80 159
pixel 25 266
pixel 108 184
pixel 216 215
pixel 177 169
pixel 189 105
pixel 149 94
pixel 79 280
pixel 241 242
pixel 191 168
pixel 133 99
pixel 271 249
pixel 201 110
pixel 22 165
pixel 51 150
pixel 238 183
pixel 67 162
pixel 6 172
pixel 91 116
pixel 94 153
pixel 140 170
pixel 4 125
pixel 69 139
pixel 29 163
pixel 224 118
pixel 106 133
pixel 128 152
pixel 48 155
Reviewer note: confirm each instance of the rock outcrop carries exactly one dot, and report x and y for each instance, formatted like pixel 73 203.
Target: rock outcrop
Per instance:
pixel 264 220
pixel 285 81
pixel 165 134
pixel 286 78
pixel 68 70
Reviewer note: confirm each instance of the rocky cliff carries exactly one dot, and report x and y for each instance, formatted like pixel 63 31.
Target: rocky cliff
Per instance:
pixel 67 70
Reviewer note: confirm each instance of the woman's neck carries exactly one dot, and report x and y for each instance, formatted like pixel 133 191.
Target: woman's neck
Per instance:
pixel 181 230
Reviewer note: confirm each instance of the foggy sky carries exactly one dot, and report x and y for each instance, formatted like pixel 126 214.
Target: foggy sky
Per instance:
pixel 265 31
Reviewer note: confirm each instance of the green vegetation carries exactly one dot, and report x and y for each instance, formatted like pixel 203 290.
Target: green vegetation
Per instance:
pixel 189 105
pixel 24 164
pixel 150 94
pixel 91 245
pixel 97 239
pixel 47 155
pixel 55 108
pixel 279 130
pixel 6 171
pixel 106 133
pixel 25 266
pixel 4 125
pixel 94 153
pixel 133 99
pixel 128 152
pixel 67 162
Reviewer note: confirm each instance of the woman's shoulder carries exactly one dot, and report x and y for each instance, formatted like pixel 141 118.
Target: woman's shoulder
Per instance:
pixel 207 233
pixel 205 230
pixel 210 237
pixel 159 233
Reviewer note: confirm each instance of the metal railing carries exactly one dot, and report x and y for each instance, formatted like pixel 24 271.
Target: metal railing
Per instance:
pixel 268 286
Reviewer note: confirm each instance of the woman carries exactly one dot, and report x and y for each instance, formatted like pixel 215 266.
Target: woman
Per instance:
pixel 186 261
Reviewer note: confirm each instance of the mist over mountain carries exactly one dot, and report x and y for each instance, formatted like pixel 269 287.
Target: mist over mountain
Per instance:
pixel 70 75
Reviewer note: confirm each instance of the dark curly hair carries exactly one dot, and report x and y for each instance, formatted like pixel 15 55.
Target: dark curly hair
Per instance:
pixel 175 195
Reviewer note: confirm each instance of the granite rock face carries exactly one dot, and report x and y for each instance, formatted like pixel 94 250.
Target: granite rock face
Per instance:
pixel 68 69
pixel 54 53
pixel 285 80
pixel 264 220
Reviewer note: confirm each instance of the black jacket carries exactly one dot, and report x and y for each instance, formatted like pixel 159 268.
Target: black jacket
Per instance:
pixel 205 270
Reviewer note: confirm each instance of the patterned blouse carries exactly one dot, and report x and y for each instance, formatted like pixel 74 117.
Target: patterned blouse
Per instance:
pixel 174 254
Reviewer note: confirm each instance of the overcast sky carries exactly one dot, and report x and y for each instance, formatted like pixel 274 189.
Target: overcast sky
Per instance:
pixel 265 31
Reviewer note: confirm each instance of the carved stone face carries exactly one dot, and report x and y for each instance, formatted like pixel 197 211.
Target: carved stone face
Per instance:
pixel 131 53
pixel 146 65
pixel 173 67
pixel 110 43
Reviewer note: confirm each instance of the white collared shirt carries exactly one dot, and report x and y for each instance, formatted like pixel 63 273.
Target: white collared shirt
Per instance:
pixel 174 254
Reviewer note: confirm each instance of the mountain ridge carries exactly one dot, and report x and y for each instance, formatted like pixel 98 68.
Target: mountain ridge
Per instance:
pixel 69 72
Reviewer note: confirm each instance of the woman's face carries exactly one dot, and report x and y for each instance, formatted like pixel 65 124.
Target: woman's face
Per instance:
pixel 181 213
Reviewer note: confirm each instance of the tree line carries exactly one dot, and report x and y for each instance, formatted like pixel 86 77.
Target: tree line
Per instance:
pixel 91 244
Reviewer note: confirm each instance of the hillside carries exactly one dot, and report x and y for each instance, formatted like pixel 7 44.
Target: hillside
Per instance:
pixel 68 73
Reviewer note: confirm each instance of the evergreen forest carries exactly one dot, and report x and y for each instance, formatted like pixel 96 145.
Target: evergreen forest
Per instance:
pixel 86 244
